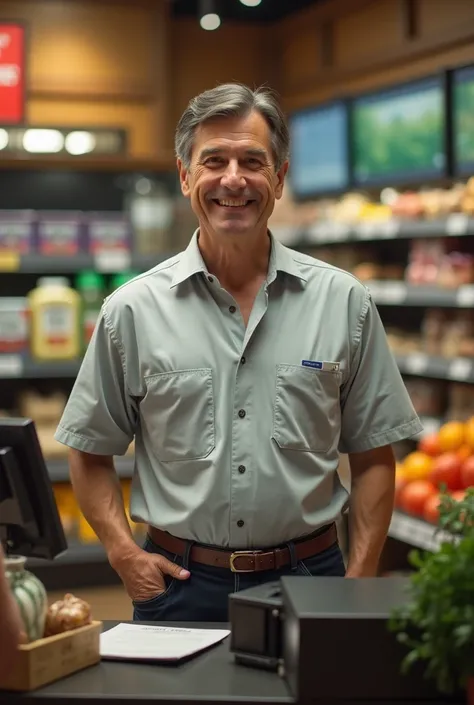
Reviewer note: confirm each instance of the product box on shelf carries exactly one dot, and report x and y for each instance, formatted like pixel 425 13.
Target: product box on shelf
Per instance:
pixel 47 660
pixel 60 233
pixel 17 231
pixel 108 231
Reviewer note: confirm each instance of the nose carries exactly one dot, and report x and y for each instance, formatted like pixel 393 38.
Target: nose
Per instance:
pixel 233 178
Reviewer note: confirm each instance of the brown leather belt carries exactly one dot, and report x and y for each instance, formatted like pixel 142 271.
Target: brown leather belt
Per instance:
pixel 246 561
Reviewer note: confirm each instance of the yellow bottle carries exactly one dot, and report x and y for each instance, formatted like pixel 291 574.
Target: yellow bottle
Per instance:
pixel 55 320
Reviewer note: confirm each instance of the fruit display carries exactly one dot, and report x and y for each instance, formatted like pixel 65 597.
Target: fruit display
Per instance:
pixel 441 461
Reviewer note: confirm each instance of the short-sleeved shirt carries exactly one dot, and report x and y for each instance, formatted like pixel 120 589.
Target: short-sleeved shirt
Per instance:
pixel 238 429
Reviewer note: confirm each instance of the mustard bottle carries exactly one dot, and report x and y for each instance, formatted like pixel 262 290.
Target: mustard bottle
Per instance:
pixel 55 310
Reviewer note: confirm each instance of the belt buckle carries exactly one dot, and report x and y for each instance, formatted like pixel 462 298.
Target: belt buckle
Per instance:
pixel 235 555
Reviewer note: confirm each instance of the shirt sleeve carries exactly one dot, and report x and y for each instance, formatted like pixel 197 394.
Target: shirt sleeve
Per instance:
pixel 100 415
pixel 375 406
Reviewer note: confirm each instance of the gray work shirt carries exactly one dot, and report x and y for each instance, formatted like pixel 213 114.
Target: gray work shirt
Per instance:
pixel 238 429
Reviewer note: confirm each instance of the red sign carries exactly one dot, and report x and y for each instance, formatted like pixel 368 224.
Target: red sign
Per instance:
pixel 12 73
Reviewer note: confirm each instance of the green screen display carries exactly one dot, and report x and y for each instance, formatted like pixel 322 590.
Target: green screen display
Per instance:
pixel 463 120
pixel 398 134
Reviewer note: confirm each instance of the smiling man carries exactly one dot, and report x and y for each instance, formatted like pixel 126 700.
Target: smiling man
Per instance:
pixel 242 369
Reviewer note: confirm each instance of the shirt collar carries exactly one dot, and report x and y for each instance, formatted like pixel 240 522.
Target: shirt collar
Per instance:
pixel 282 259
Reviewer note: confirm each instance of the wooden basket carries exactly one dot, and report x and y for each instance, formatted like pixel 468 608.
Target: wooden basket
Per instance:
pixel 47 660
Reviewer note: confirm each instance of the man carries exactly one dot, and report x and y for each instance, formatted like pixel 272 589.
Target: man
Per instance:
pixel 242 369
pixel 10 623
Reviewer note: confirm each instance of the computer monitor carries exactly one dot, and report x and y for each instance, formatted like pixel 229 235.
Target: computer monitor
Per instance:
pixel 29 520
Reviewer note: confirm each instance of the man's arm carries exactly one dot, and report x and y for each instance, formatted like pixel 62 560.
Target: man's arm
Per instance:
pixel 370 508
pixel 97 489
pixel 10 623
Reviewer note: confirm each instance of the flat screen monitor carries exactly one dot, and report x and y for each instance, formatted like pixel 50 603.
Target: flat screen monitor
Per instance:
pixel 463 121
pixel 29 520
pixel 319 160
pixel 398 134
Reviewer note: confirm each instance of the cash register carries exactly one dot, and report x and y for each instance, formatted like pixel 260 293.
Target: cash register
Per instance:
pixel 328 637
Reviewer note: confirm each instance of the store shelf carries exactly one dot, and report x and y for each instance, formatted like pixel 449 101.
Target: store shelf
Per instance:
pixel 79 566
pixel 458 369
pixel 58 470
pixel 416 532
pixel 106 262
pixel 455 225
pixel 399 293
pixel 23 367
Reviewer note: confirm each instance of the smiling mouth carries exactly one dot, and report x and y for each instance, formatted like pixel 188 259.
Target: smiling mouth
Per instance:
pixel 226 203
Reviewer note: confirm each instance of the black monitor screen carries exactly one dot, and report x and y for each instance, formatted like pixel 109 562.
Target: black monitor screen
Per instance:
pixel 463 121
pixel 398 134
pixel 319 150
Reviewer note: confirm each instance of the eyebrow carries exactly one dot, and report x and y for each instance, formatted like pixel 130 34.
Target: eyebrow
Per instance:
pixel 251 152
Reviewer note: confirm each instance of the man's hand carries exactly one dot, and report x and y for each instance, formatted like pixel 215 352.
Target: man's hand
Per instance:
pixel 142 573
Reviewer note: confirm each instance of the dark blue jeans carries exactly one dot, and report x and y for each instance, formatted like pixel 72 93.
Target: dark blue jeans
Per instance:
pixel 203 597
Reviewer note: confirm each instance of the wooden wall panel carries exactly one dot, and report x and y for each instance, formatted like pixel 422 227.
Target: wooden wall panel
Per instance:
pixel 200 60
pixel 436 16
pixel 369 32
pixel 300 56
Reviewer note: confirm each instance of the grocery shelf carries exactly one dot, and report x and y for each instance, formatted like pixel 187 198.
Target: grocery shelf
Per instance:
pixel 106 262
pixel 19 366
pixel 400 293
pixel 327 233
pixel 58 470
pixel 81 565
pixel 416 532
pixel 458 369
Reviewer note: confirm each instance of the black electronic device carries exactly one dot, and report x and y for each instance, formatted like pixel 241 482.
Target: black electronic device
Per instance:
pixel 320 150
pixel 462 122
pixel 333 643
pixel 400 134
pixel 29 520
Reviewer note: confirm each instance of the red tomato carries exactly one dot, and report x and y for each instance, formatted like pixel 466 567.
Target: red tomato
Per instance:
pixel 458 496
pixel 414 496
pixel 467 472
pixel 430 445
pixel 446 470
pixel 431 509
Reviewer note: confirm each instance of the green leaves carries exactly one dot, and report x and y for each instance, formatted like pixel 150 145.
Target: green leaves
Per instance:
pixel 437 623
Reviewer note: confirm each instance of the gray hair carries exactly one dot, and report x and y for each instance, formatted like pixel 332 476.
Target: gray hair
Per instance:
pixel 233 100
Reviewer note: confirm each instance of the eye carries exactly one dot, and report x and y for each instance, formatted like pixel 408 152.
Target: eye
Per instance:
pixel 213 161
pixel 253 162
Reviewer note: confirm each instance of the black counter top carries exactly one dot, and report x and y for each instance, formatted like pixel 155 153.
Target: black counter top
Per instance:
pixel 208 677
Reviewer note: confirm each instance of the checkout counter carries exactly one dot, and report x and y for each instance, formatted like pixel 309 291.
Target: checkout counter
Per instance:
pixel 302 641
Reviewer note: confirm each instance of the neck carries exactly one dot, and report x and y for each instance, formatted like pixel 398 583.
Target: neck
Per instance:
pixel 236 261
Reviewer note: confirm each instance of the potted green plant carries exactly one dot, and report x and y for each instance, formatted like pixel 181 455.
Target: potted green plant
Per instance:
pixel 437 623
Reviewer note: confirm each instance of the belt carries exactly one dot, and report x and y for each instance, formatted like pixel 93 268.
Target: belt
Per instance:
pixel 251 561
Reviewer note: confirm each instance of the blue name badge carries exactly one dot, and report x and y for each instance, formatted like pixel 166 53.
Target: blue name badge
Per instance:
pixel 312 363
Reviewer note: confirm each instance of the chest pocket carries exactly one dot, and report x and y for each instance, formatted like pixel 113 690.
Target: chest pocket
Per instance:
pixel 307 411
pixel 177 412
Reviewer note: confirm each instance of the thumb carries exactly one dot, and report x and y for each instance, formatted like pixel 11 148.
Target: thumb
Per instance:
pixel 170 568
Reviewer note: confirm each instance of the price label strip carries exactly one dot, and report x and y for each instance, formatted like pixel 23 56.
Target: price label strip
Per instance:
pixel 9 261
pixel 416 532
pixel 415 364
pixel 461 369
pixel 457 224
pixel 11 366
pixel 112 261
pixel 389 292
pixel 465 296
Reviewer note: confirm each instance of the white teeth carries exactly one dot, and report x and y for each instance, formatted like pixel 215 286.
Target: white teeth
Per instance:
pixel 233 203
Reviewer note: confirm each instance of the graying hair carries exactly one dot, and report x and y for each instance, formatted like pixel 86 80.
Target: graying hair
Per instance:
pixel 233 100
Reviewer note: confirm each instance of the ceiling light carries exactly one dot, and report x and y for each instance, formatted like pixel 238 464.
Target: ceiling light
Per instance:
pixel 80 142
pixel 43 141
pixel 210 21
pixel 251 3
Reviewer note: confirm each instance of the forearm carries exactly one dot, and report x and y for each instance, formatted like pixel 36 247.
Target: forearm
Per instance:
pixel 98 492
pixel 11 626
pixel 370 511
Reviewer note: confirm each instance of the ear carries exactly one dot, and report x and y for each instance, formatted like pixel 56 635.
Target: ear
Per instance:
pixel 280 176
pixel 183 178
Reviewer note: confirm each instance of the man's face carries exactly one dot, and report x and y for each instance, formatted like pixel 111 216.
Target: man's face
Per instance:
pixel 232 182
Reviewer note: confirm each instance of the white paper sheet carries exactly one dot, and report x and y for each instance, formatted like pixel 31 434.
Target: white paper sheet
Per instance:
pixel 139 642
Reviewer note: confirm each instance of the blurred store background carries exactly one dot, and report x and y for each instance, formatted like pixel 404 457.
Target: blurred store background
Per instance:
pixel 380 96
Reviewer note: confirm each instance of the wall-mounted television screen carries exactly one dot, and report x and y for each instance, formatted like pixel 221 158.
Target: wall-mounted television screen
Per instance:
pixel 463 120
pixel 398 134
pixel 319 160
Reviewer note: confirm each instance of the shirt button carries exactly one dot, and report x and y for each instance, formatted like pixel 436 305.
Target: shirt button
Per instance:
pixel 242 360
pixel 232 309
pixel 242 413
pixel 240 523
pixel 241 469
pixel 210 279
